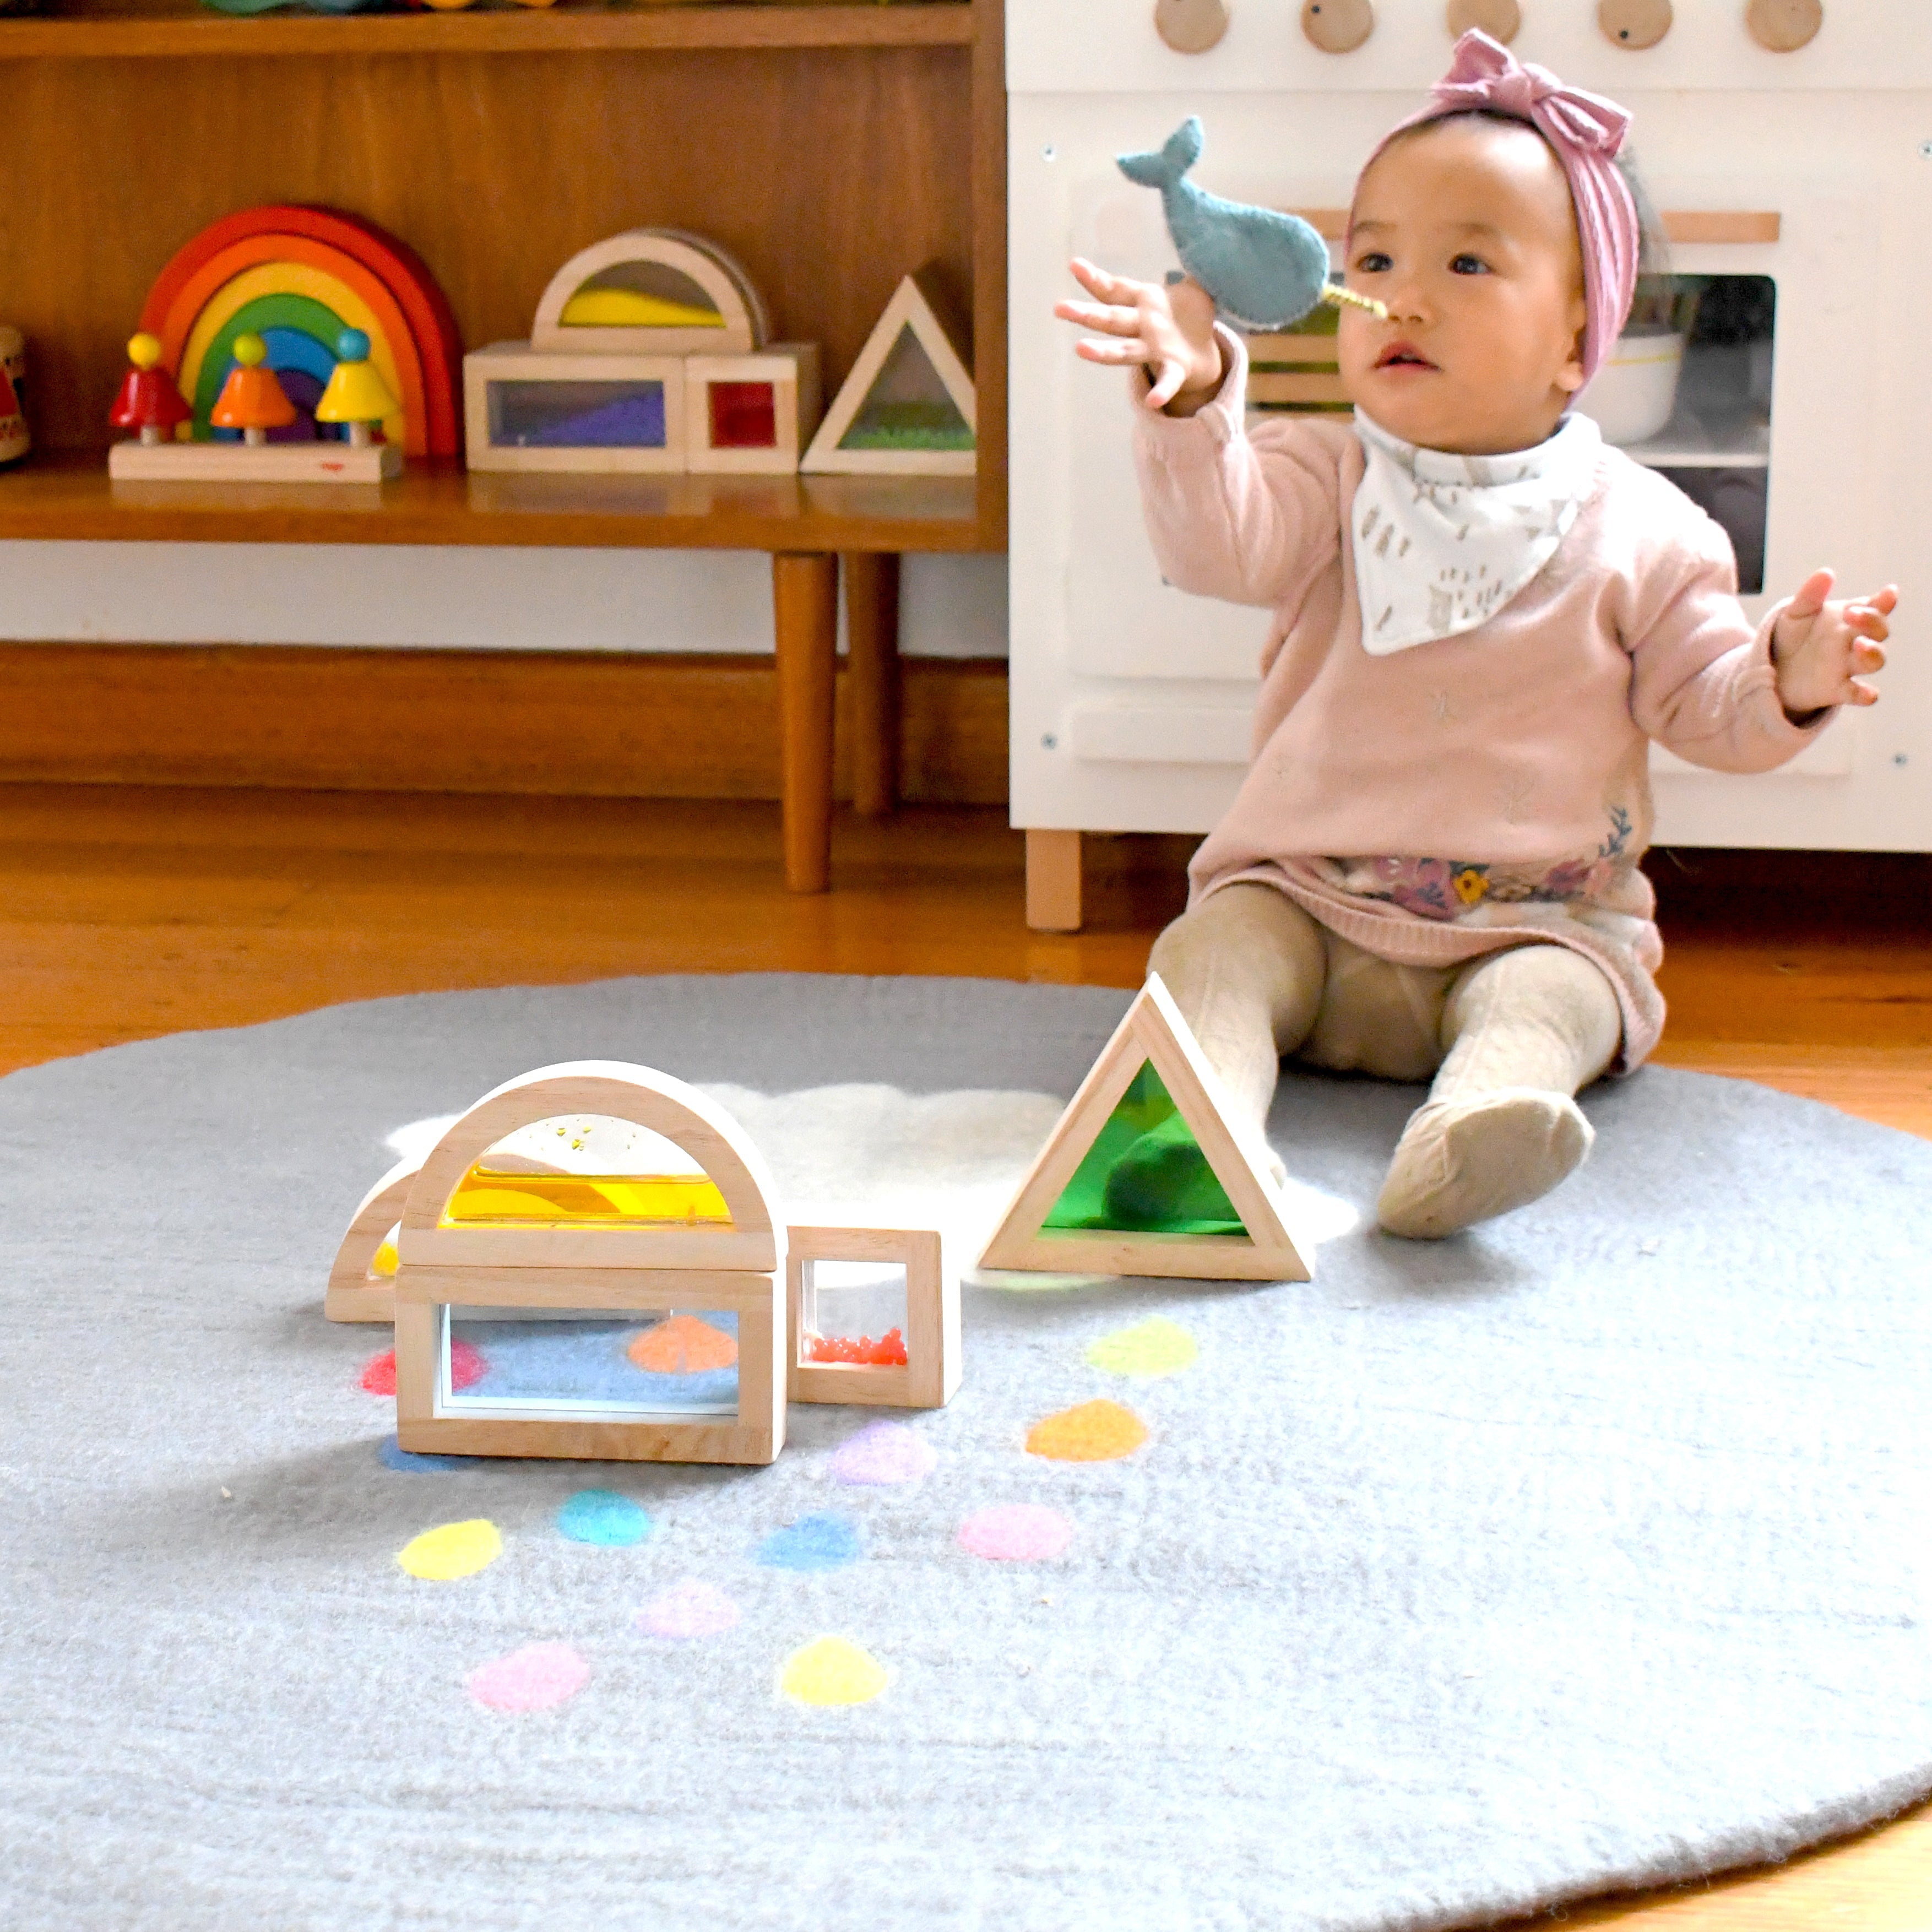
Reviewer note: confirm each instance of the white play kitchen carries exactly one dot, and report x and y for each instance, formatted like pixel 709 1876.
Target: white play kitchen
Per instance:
pixel 1779 377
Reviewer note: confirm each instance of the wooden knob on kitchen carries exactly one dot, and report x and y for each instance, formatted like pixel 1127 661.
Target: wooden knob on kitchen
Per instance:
pixel 1633 23
pixel 1190 26
pixel 1338 26
pixel 1501 19
pixel 1784 25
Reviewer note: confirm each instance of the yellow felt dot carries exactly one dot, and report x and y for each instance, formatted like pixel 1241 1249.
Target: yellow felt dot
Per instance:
pixel 1096 1431
pixel 828 1670
pixel 1155 1347
pixel 384 1260
pixel 452 1550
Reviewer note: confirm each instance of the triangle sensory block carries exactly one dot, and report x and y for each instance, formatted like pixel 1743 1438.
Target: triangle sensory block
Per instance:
pixel 1146 1113
pixel 908 405
pixel 908 408
pixel 1147 1174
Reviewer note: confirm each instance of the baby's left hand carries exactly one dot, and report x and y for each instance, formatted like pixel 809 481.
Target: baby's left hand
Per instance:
pixel 1818 645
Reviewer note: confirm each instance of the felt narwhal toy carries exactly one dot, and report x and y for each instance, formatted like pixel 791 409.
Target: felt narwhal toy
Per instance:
pixel 1264 270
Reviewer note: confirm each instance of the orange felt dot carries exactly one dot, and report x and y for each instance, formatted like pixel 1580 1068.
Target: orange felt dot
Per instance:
pixel 1096 1431
pixel 683 1346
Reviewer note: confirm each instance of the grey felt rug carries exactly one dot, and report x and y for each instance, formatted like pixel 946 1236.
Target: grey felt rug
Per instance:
pixel 1590 1550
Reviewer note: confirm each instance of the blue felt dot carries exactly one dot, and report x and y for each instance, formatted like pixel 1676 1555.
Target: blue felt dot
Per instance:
pixel 812 1543
pixel 603 1516
pixel 396 1457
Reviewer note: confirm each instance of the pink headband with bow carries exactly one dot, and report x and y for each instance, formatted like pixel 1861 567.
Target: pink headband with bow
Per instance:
pixel 1585 131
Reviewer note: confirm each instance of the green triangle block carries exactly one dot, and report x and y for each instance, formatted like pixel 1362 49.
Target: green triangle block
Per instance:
pixel 1145 1173
pixel 907 406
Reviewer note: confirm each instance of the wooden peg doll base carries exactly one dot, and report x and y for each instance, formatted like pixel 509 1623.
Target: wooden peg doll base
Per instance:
pixel 236 463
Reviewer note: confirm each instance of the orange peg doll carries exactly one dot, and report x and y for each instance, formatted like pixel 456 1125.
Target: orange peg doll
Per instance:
pixel 252 401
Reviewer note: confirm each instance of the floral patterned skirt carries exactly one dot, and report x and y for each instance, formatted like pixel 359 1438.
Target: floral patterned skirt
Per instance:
pixel 1435 912
pixel 1450 888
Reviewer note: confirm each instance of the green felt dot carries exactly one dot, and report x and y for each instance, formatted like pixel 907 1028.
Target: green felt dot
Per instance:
pixel 1154 1347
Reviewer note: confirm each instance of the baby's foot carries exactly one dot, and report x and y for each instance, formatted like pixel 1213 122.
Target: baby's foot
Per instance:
pixel 1462 1161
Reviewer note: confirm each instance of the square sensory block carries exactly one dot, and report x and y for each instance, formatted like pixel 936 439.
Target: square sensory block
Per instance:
pixel 752 413
pixel 844 1287
pixel 744 415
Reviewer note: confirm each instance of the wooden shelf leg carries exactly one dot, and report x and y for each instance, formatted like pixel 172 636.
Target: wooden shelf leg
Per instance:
pixel 1053 881
pixel 872 675
pixel 805 607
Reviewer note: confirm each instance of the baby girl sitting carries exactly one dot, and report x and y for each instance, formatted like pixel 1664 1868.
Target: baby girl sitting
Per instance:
pixel 1482 614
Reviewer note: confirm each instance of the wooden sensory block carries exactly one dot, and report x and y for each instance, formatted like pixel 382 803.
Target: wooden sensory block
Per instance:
pixel 752 414
pixel 920 324
pixel 663 268
pixel 930 1374
pixel 517 1252
pixel 358 1290
pixel 512 393
pixel 1153 1033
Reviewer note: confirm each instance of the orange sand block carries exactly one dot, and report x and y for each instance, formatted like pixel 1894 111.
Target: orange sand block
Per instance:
pixel 683 1345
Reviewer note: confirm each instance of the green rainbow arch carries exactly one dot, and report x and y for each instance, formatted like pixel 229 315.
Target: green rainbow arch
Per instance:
pixel 299 313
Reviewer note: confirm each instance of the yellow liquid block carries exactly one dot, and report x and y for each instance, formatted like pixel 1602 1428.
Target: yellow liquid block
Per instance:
pixel 587 1200
pixel 629 308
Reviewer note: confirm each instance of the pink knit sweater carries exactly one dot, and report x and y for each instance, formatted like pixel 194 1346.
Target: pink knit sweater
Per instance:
pixel 1520 746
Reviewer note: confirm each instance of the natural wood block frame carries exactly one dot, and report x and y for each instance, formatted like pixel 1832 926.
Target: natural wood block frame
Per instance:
pixel 518 362
pixel 930 1375
pixel 355 1292
pixel 713 268
pixel 920 304
pixel 1153 1030
pixel 593 1269
pixel 791 368
pixel 755 1436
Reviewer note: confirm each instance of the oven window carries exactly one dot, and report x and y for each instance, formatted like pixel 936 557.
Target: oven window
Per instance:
pixel 1715 442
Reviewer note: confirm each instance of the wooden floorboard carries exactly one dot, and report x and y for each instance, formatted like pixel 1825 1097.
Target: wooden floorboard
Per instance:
pixel 127 913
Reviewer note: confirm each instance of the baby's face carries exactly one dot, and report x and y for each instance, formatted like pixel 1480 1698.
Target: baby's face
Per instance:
pixel 1466 231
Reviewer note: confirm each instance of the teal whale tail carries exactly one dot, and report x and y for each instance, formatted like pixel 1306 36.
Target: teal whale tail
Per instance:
pixel 1163 168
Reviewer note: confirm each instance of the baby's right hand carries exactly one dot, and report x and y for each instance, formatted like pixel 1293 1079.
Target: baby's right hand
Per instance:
pixel 1170 330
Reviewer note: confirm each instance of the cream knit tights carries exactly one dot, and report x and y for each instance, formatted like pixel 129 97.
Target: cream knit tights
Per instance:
pixel 1510 1038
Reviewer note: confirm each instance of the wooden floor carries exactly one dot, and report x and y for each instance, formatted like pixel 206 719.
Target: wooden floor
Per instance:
pixel 125 913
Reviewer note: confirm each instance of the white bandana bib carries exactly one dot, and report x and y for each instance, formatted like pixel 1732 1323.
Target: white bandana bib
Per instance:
pixel 1442 541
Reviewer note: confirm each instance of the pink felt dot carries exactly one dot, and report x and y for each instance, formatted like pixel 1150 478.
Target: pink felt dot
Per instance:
pixel 884 1452
pixel 690 1609
pixel 1016 1533
pixel 537 1678
pixel 467 1365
